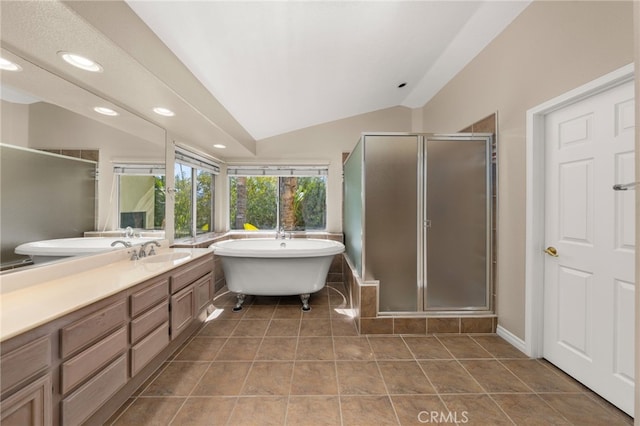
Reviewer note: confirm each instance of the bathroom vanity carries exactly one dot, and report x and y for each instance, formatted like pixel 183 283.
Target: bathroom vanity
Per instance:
pixel 74 348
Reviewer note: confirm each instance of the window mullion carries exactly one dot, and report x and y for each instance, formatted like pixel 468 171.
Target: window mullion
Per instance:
pixel 194 200
pixel 212 216
pixel 278 204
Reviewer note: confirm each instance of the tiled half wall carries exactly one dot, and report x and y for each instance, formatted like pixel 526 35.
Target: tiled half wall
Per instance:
pixel 364 302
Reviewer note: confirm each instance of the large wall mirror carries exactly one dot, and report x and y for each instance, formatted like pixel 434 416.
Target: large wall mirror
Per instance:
pixel 45 119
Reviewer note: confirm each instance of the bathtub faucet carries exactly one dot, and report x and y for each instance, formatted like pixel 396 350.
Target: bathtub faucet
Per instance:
pixel 282 234
pixel 128 232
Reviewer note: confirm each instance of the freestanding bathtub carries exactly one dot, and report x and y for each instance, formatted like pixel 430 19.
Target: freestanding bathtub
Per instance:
pixel 276 267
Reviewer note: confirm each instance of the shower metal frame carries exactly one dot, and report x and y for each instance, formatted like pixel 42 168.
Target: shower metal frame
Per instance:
pixel 422 223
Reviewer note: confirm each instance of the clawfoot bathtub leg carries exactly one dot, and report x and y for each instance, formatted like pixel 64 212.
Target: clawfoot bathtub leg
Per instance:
pixel 305 301
pixel 239 301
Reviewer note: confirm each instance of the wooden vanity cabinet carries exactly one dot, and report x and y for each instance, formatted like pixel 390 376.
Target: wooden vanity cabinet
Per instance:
pixel 81 367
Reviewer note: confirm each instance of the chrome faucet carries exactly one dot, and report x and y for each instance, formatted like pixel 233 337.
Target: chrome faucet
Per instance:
pixel 124 243
pixel 128 232
pixel 281 234
pixel 142 252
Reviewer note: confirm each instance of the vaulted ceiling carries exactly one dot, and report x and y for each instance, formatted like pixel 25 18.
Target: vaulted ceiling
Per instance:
pixel 281 66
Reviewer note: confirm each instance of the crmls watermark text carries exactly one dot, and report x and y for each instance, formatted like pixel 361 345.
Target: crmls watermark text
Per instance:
pixel 443 417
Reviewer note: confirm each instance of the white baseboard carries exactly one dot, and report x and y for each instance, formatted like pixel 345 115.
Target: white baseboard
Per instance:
pixel 517 342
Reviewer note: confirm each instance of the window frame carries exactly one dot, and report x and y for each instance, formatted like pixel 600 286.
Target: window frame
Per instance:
pixel 279 171
pixel 197 163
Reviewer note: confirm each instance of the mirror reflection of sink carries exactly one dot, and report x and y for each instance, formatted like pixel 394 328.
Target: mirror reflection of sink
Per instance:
pixel 165 257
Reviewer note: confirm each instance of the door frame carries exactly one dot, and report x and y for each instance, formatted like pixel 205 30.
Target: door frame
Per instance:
pixel 535 200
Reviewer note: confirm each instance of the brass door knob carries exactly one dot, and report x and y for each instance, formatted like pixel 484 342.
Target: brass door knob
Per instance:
pixel 551 251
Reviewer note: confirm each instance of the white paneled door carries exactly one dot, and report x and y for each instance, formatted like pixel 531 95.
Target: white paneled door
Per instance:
pixel 589 232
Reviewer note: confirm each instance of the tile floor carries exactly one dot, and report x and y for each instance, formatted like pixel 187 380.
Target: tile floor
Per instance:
pixel 272 364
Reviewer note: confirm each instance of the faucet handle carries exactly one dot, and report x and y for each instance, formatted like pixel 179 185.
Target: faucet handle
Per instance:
pixel 134 254
pixel 152 251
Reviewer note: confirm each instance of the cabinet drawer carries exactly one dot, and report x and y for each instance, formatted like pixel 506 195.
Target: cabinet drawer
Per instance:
pixel 89 329
pixel 182 310
pixel 149 347
pixel 203 291
pixel 90 396
pixel 191 272
pixel 146 322
pixel 87 362
pixel 25 362
pixel 149 296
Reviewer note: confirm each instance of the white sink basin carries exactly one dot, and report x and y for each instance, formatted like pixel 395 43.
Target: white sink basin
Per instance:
pixel 165 257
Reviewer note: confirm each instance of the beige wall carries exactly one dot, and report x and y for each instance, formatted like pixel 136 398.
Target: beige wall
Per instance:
pixel 550 48
pixel 325 144
pixel 14 126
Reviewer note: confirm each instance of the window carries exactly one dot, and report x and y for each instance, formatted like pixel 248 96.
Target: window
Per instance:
pixel 141 195
pixel 293 198
pixel 194 194
pixel 183 207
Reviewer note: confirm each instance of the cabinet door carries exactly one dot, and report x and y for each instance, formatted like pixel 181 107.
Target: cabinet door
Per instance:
pixel 182 310
pixel 31 406
pixel 203 292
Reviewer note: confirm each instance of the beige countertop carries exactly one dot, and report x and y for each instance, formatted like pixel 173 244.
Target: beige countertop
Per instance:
pixel 34 297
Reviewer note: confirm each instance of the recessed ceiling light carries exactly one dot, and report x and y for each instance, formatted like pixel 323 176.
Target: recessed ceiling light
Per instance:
pixel 81 62
pixel 164 111
pixel 7 65
pixel 105 111
pixel 219 145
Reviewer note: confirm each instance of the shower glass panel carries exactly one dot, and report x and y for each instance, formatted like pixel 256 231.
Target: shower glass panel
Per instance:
pixel 391 208
pixel 353 207
pixel 458 213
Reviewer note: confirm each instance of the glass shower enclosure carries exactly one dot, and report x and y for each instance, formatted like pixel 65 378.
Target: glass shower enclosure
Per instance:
pixel 418 219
